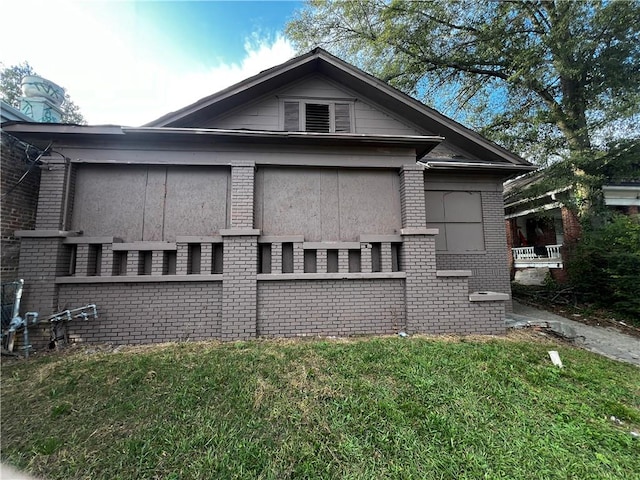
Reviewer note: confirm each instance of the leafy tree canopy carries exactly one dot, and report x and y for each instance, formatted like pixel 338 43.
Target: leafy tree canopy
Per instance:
pixel 548 79
pixel 11 92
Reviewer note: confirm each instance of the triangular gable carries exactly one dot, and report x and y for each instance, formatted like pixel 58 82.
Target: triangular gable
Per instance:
pixel 459 139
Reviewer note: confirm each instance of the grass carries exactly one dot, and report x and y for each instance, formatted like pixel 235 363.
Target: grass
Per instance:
pixel 367 408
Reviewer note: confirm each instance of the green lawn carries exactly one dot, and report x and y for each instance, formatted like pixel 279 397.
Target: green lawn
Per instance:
pixel 365 408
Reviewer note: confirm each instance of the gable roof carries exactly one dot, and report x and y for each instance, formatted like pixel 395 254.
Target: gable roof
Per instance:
pixel 321 61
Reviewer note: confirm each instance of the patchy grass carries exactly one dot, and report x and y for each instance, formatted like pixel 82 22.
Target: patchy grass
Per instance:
pixel 368 408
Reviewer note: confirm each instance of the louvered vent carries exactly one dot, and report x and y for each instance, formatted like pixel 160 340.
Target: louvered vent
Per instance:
pixel 317 118
pixel 343 117
pixel 291 116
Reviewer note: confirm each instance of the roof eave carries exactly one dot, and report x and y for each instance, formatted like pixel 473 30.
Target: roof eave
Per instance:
pixel 476 166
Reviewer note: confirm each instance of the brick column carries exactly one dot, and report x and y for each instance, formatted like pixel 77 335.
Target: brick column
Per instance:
pixel 572 233
pixel 182 258
pixel 412 202
pixel 106 263
pixel 385 253
pixel 82 260
pixel 206 258
pixel 158 262
pixel 365 258
pixel 321 261
pixel 239 275
pixel 343 260
pixel 42 259
pixel 418 259
pixel 242 191
pixel 298 257
pixel 43 256
pixel 276 257
pixel 53 200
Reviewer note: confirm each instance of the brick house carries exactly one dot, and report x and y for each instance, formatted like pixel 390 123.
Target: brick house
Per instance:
pixel 20 179
pixel 310 199
pixel 543 228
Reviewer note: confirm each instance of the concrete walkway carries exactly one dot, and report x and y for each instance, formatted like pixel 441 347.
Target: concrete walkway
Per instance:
pixel 604 341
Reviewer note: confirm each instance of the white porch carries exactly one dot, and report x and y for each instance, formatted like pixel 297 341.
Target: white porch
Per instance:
pixel 527 257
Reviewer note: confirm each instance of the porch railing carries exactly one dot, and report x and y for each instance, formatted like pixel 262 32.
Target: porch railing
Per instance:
pixel 372 254
pixel 533 256
pixel 110 257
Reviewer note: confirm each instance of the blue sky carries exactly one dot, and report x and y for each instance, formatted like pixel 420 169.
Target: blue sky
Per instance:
pixel 128 62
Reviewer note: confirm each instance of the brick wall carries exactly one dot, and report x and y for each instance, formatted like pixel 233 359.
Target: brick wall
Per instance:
pixel 239 287
pixel 450 311
pixel 133 313
pixel 490 270
pixel 240 307
pixel 242 191
pixel 571 226
pixel 41 261
pixel 51 201
pixel 330 307
pixel 18 207
pixel 412 196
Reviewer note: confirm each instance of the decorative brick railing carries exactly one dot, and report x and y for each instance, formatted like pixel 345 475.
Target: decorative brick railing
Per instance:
pixel 104 258
pixel 282 255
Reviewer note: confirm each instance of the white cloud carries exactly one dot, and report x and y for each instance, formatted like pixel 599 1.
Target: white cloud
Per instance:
pixel 116 69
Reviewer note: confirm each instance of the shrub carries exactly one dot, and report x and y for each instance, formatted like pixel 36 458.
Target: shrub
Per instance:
pixel 605 266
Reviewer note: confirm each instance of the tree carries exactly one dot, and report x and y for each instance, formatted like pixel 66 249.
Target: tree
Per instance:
pixel 11 92
pixel 548 79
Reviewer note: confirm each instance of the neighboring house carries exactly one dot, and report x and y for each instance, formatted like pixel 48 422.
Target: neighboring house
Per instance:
pixel 310 199
pixel 20 175
pixel 20 180
pixel 542 228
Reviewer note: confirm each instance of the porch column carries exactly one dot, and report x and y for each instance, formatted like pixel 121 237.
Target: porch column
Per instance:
pixel 239 285
pixel 43 256
pixel 418 259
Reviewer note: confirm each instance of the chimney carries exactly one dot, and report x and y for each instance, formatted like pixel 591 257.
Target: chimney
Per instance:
pixel 41 99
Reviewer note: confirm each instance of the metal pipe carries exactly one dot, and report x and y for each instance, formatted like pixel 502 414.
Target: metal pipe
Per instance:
pixel 16 302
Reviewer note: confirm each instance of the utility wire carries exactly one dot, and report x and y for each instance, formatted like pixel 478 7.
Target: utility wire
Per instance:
pixel 25 174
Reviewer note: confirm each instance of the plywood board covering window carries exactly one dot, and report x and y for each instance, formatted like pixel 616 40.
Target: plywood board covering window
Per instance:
pixel 458 216
pixel 327 204
pixel 150 203
pixel 292 116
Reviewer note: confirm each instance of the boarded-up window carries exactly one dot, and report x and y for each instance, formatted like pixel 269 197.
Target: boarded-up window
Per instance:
pixel 317 118
pixel 458 216
pixel 291 116
pixel 343 117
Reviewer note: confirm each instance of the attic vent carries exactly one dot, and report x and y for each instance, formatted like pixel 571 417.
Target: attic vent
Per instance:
pixel 343 120
pixel 291 116
pixel 317 118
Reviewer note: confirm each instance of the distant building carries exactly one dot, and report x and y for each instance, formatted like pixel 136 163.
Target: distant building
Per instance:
pixel 542 228
pixel 20 174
